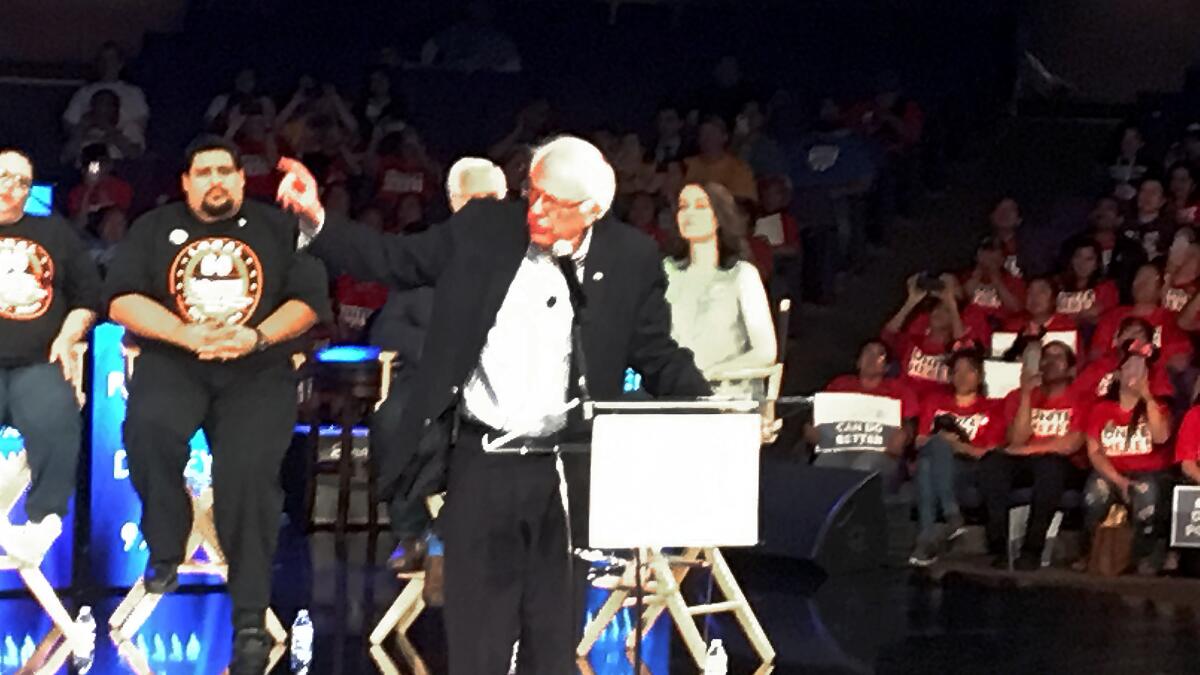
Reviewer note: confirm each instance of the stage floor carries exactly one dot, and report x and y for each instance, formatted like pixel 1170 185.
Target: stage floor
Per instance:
pixel 893 621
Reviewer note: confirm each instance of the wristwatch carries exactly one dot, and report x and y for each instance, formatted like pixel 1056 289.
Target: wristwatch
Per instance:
pixel 260 341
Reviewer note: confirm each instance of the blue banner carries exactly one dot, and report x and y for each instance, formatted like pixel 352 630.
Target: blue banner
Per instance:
pixel 57 563
pixel 117 551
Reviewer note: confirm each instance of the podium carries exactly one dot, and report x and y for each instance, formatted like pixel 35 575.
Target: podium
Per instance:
pixel 681 475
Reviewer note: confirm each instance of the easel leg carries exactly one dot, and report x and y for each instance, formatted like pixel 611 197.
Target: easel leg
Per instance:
pixel 745 615
pixel 608 611
pixel 403 612
pixel 679 572
pixel 668 590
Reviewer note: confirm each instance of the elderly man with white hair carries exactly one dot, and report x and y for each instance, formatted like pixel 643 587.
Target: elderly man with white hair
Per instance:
pixel 498 363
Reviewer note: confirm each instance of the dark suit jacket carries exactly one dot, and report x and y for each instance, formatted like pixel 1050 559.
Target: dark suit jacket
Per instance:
pixel 471 260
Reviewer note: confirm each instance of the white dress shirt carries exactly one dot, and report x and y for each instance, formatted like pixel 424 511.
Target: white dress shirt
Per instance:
pixel 520 383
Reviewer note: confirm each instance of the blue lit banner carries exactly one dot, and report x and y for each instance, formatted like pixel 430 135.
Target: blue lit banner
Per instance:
pixel 117 551
pixel 188 634
pixel 23 624
pixel 57 563
pixel 608 655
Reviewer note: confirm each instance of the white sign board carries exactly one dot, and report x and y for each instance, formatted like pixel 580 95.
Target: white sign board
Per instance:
pixel 674 480
pixel 1001 377
pixel 1001 342
pixel 847 421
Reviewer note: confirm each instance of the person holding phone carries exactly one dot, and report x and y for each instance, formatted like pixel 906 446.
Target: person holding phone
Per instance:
pixel 1041 311
pixel 1127 436
pixel 1045 422
pixel 956 431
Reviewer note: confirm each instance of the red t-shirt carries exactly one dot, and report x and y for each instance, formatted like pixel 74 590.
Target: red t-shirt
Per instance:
pixel 1053 416
pixel 109 191
pixel 986 299
pixel 890 387
pixel 1103 297
pixel 1176 297
pixel 982 421
pixel 1187 441
pixel 262 175
pixel 398 178
pixel 1012 263
pixel 1023 323
pixel 1097 377
pixel 1167 337
pixel 924 361
pixel 789 228
pixel 1109 424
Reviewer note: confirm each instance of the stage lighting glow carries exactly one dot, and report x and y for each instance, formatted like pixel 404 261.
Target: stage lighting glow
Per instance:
pixel 347 354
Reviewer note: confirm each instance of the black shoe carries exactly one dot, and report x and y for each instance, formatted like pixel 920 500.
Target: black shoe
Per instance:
pixel 251 652
pixel 409 556
pixel 1028 562
pixel 435 581
pixel 160 579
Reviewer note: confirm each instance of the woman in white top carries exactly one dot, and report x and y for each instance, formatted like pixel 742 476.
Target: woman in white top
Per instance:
pixel 719 308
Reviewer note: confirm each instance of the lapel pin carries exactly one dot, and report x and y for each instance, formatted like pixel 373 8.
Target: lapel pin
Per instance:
pixel 177 236
pixel 597 276
pixel 241 222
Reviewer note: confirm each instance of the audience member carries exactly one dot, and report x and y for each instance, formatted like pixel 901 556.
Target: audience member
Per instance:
pixel 1182 202
pixel 111 226
pixel 100 125
pixel 991 295
pixel 715 164
pixel 634 172
pixel 1041 314
pixel 1174 346
pixel 896 123
pixel 643 214
pixel 777 228
pixel 472 45
pixel 719 308
pixel 1120 253
pixel 1151 225
pixel 1096 379
pixel 245 94
pixel 871 378
pixel 1005 221
pixel 1130 164
pixel 669 145
pixel 1046 418
pixel 378 103
pixel 1084 294
pixel 1127 436
pixel 99 189
pixel 533 124
pixel 924 332
pixel 1187 445
pixel 957 430
pixel 1182 271
pixel 751 142
pixel 398 165
pixel 249 126
pixel 131 102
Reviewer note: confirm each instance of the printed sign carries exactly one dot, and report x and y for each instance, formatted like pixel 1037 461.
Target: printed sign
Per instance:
pixel 1001 377
pixel 1002 341
pixel 854 421
pixel 1185 517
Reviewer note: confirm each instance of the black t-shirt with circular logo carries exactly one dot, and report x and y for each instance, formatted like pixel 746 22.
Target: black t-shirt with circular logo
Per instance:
pixel 236 271
pixel 45 272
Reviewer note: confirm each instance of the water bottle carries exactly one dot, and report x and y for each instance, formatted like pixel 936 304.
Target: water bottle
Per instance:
pixel 84 652
pixel 302 642
pixel 716 662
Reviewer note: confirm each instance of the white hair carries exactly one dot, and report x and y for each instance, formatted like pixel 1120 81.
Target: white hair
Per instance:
pixel 589 176
pixel 473 176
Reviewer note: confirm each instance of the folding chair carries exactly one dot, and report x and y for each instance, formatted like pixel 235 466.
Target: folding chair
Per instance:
pixel 133 657
pixel 52 652
pixel 202 555
pixel 411 601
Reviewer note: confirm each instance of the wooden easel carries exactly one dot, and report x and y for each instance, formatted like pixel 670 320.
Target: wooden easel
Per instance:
pixel 132 656
pixel 411 602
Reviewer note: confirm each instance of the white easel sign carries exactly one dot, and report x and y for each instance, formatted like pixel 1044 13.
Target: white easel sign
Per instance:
pixel 854 421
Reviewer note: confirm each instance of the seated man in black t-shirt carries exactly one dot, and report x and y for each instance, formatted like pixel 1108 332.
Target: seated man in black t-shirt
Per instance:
pixel 49 290
pixel 215 292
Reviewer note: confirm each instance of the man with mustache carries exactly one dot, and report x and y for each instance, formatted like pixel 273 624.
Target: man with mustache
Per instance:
pixel 498 362
pixel 215 294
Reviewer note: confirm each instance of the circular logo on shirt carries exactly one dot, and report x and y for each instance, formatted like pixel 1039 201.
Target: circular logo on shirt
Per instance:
pixel 216 279
pixel 26 279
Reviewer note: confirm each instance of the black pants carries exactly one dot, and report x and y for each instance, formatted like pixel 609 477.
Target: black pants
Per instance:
pixel 248 416
pixel 998 474
pixel 41 404
pixel 509 575
pixel 407 514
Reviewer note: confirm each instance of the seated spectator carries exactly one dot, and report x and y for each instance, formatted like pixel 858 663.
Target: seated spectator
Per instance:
pixel 1182 273
pixel 754 145
pixel 1174 346
pixel 516 170
pixel 1046 418
pixel 316 120
pixel 669 146
pixel 1096 379
pixel 534 123
pixel 410 216
pixel 1041 314
pixel 1127 436
pixel 634 173
pixel 1187 150
pixel 991 295
pixel 777 228
pixel 133 113
pixel 1005 220
pixel 378 103
pixel 111 225
pixel 719 308
pixel 245 93
pixel 100 125
pixel 1121 253
pixel 1152 226
pixel 99 189
pixel 1130 164
pixel 472 45
pixel 398 165
pixel 248 125
pixel 356 302
pixel 1187 445
pixel 715 164
pixel 337 200
pixel 871 378
pixel 1182 202
pixel 924 332
pixel 896 123
pixel 643 214
pixel 1084 294
pixel 957 430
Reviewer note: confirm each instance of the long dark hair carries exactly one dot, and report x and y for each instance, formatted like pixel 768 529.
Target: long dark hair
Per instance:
pixel 974 356
pixel 729 243
pixel 1129 349
pixel 1069 280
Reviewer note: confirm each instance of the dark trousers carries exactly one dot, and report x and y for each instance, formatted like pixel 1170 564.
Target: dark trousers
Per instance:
pixel 407 514
pixel 998 474
pixel 248 416
pixel 509 574
pixel 41 404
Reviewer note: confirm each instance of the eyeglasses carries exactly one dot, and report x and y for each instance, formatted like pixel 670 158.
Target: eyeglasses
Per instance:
pixel 549 202
pixel 24 182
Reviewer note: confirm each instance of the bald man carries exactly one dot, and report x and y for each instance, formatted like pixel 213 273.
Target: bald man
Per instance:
pixel 498 363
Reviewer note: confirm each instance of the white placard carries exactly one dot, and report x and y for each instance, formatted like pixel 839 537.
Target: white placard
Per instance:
pixel 674 480
pixel 850 421
pixel 1001 377
pixel 1002 341
pixel 770 228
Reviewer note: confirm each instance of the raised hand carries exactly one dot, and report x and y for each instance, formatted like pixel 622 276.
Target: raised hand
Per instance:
pixel 298 192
